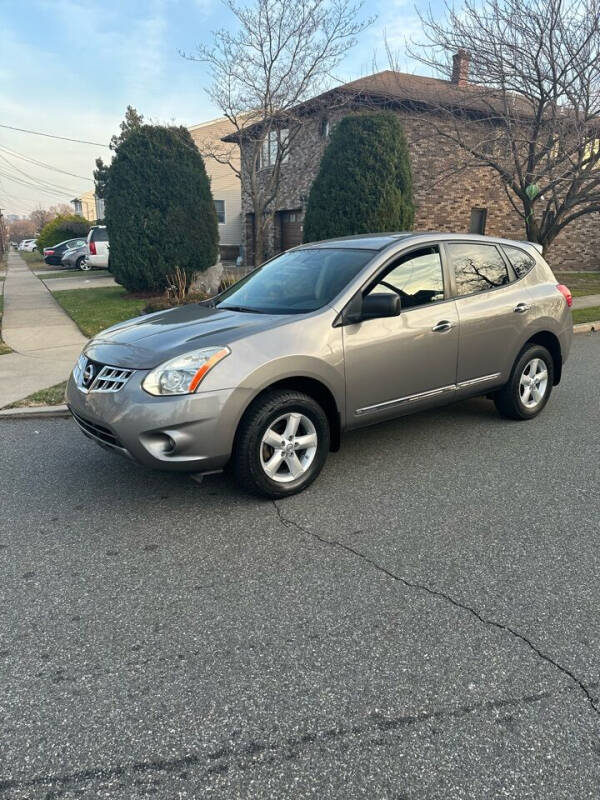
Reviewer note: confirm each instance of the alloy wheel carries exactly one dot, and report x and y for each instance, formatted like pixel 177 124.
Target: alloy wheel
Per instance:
pixel 533 383
pixel 288 447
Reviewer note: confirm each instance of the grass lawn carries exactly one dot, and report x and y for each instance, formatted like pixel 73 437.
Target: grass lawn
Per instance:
pixel 35 260
pixel 96 309
pixel 4 348
pixel 580 283
pixel 586 314
pixel 53 396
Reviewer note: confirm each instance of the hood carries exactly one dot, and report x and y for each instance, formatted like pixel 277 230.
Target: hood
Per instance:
pixel 145 342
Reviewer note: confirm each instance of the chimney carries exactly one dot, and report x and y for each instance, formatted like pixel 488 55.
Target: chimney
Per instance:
pixel 460 68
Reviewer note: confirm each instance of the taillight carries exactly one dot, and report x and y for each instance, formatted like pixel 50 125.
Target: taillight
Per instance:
pixel 566 293
pixel 48 252
pixel 92 247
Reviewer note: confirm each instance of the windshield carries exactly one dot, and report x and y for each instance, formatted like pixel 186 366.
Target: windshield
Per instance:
pixel 296 282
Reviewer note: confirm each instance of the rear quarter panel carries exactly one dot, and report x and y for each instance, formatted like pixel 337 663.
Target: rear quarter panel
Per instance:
pixel 551 311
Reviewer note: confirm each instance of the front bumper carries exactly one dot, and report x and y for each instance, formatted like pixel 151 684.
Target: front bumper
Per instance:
pixel 189 433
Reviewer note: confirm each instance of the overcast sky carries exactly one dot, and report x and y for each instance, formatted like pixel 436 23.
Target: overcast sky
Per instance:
pixel 70 68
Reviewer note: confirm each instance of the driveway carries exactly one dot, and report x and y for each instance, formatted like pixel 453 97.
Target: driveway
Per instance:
pixel 78 280
pixel 423 622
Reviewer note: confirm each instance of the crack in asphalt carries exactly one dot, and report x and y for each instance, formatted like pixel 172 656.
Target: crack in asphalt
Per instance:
pixel 287 522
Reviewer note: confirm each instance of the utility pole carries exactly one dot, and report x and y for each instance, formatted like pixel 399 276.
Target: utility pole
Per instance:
pixel 3 235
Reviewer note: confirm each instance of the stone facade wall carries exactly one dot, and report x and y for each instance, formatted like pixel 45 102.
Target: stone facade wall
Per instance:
pixel 441 205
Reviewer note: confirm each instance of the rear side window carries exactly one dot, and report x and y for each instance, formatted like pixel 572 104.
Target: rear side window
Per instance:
pixel 477 267
pixel 100 235
pixel 522 262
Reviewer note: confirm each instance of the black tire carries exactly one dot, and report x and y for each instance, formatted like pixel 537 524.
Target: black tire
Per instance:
pixel 261 414
pixel 508 400
pixel 79 262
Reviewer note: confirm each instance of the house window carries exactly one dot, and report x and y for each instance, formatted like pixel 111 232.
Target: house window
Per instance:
pixel 325 128
pixel 478 219
pixel 220 209
pixel 273 142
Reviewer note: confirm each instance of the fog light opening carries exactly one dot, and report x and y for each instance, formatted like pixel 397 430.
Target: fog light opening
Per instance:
pixel 169 444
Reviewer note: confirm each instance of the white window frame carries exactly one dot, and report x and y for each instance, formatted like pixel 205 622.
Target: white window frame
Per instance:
pixel 216 200
pixel 271 144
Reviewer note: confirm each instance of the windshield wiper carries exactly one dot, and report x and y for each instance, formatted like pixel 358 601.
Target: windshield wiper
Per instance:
pixel 242 308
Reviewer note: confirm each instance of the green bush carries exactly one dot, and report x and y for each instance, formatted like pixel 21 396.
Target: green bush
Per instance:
pixel 65 226
pixel 364 183
pixel 159 208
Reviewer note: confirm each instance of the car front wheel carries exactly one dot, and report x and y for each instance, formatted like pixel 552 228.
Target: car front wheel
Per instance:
pixel 530 385
pixel 83 264
pixel 281 445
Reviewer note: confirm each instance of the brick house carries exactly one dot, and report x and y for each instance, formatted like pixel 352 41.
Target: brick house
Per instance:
pixel 472 200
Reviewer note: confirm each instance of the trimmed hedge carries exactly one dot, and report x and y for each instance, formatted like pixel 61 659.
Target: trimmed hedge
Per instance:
pixel 61 228
pixel 364 184
pixel 159 209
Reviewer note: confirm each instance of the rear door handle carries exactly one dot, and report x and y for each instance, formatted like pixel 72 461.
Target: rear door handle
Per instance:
pixel 443 325
pixel 521 308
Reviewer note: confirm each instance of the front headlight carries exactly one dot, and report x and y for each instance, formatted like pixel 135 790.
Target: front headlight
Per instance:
pixel 183 374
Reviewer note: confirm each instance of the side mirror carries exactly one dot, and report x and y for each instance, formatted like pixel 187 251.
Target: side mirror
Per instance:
pixel 380 305
pixel 373 306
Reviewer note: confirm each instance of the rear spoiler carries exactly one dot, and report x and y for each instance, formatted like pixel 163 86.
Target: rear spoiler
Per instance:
pixel 537 246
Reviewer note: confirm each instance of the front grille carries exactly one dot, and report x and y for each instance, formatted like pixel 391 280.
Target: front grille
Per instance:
pixel 92 376
pixel 111 379
pixel 97 431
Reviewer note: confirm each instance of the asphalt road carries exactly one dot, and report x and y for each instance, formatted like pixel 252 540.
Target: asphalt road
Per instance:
pixel 424 622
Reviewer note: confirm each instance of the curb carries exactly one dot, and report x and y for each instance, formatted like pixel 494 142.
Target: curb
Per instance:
pixel 587 327
pixel 36 412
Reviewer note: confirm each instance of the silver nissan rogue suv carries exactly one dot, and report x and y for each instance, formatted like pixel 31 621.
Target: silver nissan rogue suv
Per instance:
pixel 321 339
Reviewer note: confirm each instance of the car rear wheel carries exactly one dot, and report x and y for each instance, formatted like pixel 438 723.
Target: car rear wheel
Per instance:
pixel 83 265
pixel 281 445
pixel 530 385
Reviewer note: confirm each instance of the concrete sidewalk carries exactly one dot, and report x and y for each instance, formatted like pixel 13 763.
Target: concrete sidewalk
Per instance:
pixel 589 301
pixel 45 340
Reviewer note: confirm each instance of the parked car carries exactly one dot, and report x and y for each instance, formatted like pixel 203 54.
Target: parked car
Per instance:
pixel 76 258
pixel 98 248
pixel 28 245
pixel 325 338
pixel 54 254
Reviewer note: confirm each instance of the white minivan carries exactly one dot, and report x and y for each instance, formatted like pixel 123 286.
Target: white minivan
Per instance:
pixel 98 249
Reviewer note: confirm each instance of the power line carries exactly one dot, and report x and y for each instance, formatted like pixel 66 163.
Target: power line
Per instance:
pixel 39 181
pixel 53 136
pixel 30 185
pixel 42 164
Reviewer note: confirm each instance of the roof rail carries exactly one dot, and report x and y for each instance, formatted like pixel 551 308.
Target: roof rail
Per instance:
pixel 537 246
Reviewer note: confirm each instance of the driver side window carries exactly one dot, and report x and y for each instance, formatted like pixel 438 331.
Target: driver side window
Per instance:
pixel 417 278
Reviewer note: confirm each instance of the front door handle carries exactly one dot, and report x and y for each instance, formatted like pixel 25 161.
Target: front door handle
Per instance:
pixel 443 325
pixel 521 308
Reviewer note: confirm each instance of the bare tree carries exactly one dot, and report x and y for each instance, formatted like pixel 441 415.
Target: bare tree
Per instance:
pixel 41 216
pixel 22 229
pixel 530 109
pixel 282 53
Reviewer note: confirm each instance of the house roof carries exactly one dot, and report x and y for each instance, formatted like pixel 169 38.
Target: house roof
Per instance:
pixel 403 87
